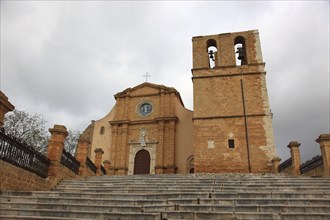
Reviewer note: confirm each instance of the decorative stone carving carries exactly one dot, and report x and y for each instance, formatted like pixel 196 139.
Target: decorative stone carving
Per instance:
pixel 142 143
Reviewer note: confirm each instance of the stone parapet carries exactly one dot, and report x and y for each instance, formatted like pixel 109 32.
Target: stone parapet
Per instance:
pixel 276 162
pixel 295 156
pixel 106 164
pixel 324 142
pixel 82 151
pixel 98 160
pixel 55 148
pixel 5 106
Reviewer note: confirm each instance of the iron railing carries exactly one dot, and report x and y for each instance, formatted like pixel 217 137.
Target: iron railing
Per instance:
pixel 285 164
pixel 90 165
pixel 311 164
pixel 103 170
pixel 70 162
pixel 22 155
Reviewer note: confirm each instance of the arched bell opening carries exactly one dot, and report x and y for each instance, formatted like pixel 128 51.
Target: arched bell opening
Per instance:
pixel 240 51
pixel 212 53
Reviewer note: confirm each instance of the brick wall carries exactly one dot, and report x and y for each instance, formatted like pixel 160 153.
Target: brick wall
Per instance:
pixel 18 179
pixel 15 178
pixel 231 104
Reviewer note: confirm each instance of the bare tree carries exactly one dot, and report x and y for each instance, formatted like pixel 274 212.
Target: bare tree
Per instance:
pixel 71 141
pixel 30 129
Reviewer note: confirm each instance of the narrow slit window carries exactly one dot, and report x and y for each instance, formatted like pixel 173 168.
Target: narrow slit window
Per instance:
pixel 231 143
pixel 102 130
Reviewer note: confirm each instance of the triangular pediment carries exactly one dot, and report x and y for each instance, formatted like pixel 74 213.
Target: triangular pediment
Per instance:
pixel 145 89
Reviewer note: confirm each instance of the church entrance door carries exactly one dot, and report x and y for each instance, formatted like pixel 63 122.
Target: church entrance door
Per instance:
pixel 142 162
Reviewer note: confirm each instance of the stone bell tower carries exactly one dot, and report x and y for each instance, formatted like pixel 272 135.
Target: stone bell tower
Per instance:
pixel 232 119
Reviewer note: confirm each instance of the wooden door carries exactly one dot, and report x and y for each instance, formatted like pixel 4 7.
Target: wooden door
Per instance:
pixel 142 162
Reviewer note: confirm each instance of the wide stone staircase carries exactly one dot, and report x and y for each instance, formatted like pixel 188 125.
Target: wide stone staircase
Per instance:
pixel 160 197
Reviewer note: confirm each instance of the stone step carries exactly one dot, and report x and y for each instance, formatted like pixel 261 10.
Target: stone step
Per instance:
pixel 263 201
pixel 274 208
pixel 79 214
pixel 305 216
pixel 278 195
pixel 193 183
pixel 207 176
pixel 200 181
pixel 14 217
pixel 211 196
pixel 256 208
pixel 169 216
pixel 51 214
pixel 243 215
pixel 155 195
pixel 142 202
pixel 174 195
pixel 188 189
pixel 72 207
pixel 85 201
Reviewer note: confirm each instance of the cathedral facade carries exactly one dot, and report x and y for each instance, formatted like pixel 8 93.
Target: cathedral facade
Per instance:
pixel 149 131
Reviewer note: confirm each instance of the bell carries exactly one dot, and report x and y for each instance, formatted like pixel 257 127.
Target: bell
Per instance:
pixel 240 56
pixel 240 52
pixel 211 54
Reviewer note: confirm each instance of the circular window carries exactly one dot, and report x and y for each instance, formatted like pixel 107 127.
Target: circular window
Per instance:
pixel 145 109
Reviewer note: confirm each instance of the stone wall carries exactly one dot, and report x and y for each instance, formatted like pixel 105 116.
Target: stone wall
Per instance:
pixel 18 179
pixel 15 178
pixel 167 130
pixel 316 172
pixel 231 107
pixel 318 166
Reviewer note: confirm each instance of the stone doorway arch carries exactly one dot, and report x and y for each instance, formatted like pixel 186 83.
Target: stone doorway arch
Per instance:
pixel 142 162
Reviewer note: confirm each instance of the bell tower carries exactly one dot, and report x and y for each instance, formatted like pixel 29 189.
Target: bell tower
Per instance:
pixel 232 119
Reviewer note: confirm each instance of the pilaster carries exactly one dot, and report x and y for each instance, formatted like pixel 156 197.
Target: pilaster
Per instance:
pixel 98 159
pixel 55 148
pixel 295 156
pixel 82 151
pixel 5 106
pixel 106 164
pixel 276 163
pixel 324 142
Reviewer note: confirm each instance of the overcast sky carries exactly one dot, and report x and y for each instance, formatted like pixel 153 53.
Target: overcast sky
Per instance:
pixel 66 59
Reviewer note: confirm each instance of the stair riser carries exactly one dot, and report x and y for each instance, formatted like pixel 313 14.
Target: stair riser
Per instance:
pixel 224 196
pixel 191 189
pixel 205 201
pixel 85 215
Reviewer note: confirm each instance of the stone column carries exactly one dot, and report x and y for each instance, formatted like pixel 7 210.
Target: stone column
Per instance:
pixel 55 148
pixel 276 163
pixel 295 156
pixel 82 155
pixel 98 160
pixel 106 166
pixel 324 142
pixel 5 106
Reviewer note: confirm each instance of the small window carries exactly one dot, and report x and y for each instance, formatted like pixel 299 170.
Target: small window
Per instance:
pixel 102 130
pixel 231 143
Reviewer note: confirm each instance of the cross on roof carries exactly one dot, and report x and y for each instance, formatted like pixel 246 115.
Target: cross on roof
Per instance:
pixel 146 76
